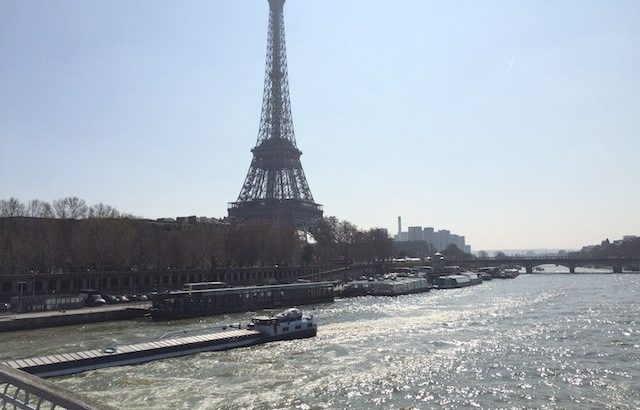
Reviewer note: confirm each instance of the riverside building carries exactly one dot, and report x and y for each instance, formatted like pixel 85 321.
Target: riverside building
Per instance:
pixel 420 241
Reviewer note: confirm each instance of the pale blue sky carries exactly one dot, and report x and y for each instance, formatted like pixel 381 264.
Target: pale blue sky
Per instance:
pixel 515 123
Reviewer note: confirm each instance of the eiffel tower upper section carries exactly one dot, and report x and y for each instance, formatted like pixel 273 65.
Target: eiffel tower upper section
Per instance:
pixel 276 188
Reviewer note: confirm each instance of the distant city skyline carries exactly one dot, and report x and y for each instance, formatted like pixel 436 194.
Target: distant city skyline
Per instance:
pixel 439 239
pixel 516 123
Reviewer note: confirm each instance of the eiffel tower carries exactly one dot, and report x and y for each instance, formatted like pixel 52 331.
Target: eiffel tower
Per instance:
pixel 276 188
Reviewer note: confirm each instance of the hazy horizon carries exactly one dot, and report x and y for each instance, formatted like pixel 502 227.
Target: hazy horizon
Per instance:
pixel 516 124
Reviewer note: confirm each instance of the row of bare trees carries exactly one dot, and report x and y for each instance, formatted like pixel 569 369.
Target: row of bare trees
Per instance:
pixel 341 240
pixel 63 208
pixel 72 237
pixel 108 244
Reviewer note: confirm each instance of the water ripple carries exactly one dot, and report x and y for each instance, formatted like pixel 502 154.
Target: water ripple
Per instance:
pixel 539 341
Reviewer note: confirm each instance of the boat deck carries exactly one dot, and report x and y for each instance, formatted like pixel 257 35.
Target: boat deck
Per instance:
pixel 70 363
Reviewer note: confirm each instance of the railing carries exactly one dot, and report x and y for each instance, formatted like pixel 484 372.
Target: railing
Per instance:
pixel 20 390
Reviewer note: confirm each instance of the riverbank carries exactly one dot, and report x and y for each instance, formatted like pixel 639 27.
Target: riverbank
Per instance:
pixel 12 322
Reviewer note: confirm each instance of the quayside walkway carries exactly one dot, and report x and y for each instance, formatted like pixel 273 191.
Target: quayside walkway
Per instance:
pixel 20 390
pixel 35 320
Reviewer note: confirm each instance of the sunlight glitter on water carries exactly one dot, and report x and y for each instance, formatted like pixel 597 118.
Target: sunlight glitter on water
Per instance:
pixel 538 341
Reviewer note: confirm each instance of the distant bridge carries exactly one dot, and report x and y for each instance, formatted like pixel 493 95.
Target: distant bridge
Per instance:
pixel 571 262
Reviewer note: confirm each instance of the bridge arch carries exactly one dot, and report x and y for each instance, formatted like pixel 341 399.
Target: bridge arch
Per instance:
pixel 573 266
pixel 531 267
pixel 571 262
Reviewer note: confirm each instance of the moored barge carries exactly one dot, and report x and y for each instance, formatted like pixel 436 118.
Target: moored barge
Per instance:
pixel 195 303
pixel 452 282
pixel 385 287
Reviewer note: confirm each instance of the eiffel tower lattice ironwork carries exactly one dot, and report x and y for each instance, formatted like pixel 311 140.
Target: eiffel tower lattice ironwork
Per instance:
pixel 276 188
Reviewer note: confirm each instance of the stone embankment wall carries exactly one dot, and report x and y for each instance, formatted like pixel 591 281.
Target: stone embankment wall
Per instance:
pixel 143 281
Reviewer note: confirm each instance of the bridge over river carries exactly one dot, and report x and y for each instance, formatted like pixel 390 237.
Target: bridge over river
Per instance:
pixel 529 263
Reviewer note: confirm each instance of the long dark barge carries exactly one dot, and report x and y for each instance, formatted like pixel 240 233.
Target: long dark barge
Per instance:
pixel 195 303
pixel 70 363
pixel 288 325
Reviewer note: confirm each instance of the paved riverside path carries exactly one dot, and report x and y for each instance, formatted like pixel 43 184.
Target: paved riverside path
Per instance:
pixel 36 320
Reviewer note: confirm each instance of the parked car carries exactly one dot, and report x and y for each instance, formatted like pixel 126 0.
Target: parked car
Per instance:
pixel 122 299
pixel 95 300
pixel 110 299
pixel 137 298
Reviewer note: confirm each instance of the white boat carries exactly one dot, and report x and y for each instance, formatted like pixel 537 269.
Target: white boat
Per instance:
pixel 288 324
pixel 473 277
pixel 452 282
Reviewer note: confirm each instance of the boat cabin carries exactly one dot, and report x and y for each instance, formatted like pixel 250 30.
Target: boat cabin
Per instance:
pixel 288 323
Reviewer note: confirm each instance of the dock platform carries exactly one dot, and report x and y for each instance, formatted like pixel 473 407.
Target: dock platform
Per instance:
pixel 71 363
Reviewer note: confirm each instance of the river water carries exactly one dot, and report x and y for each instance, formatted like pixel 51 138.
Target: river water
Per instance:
pixel 537 341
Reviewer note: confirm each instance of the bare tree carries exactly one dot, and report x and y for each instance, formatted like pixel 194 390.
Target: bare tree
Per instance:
pixel 12 207
pixel 325 235
pixel 103 211
pixel 105 243
pixel 70 208
pixel 380 244
pixel 39 209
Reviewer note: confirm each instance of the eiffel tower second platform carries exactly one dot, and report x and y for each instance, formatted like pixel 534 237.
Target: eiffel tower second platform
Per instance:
pixel 276 188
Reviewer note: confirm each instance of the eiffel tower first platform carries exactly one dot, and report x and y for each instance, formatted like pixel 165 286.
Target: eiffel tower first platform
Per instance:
pixel 276 188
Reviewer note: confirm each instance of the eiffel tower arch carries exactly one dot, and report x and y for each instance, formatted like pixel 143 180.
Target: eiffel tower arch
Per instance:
pixel 276 188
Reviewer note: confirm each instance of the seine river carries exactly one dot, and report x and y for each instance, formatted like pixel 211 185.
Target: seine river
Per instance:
pixel 537 341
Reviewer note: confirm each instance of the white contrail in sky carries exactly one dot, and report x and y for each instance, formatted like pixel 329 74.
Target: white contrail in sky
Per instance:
pixel 513 60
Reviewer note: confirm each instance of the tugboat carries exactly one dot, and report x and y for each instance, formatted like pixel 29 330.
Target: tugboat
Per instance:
pixel 286 325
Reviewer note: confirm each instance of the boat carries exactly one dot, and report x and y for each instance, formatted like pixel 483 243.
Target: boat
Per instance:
pixel 354 289
pixel 286 325
pixel 207 302
pixel 401 286
pixel 204 286
pixel 490 271
pixel 473 277
pixel 452 282
pixel 499 273
pixel 485 276
pixel 508 273
pixel 392 286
